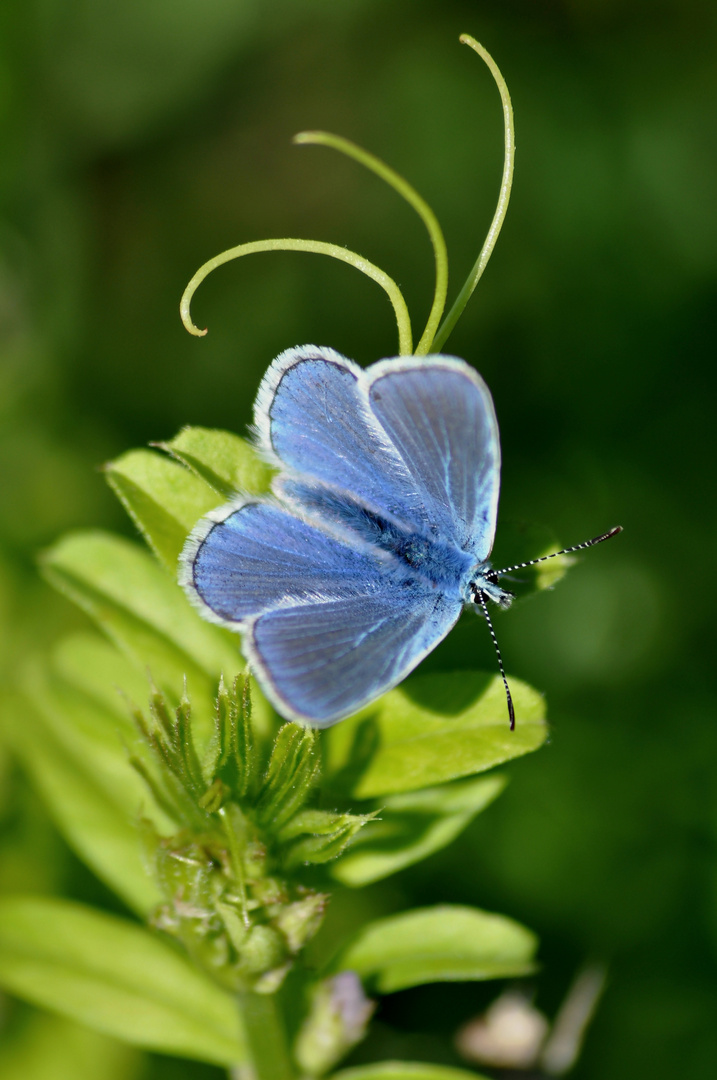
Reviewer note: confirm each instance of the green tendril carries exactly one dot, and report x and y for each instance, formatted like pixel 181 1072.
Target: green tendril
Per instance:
pixel 404 189
pixel 503 199
pixel 434 336
pixel 317 247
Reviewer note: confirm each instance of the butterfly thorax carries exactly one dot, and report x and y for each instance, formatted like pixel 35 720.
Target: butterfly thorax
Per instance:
pixel 443 564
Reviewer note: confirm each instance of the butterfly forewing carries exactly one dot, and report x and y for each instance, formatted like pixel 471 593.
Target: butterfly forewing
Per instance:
pixel 439 415
pixel 312 417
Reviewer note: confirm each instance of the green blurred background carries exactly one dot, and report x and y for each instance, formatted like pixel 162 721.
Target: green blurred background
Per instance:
pixel 139 139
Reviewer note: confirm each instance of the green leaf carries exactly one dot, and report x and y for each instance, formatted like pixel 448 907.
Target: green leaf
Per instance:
pixel 447 943
pixel 115 976
pixel 145 613
pixel 164 499
pixel 95 738
pixel 405 1070
pixel 231 755
pixel 226 462
pixel 101 830
pixel 93 665
pixel 414 825
pixel 170 765
pixel 49 1046
pixel 431 729
pixel 115 581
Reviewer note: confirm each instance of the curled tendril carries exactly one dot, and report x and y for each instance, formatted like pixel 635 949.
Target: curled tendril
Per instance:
pixel 434 335
pixel 317 247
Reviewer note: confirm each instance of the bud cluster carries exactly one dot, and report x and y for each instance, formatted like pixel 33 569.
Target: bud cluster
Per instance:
pixel 244 828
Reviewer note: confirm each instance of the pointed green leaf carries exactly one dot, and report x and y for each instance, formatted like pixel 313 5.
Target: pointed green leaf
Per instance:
pixel 405 1070
pixel 412 826
pixel 106 574
pixel 447 943
pixel 231 755
pixel 164 499
pixel 321 835
pixel 431 729
pixel 226 462
pixel 96 740
pixel 292 772
pixel 115 976
pixel 103 833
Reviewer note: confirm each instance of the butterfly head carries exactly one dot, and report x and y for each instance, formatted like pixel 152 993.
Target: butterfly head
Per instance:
pixel 485 586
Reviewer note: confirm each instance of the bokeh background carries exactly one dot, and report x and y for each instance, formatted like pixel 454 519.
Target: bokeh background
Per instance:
pixel 138 139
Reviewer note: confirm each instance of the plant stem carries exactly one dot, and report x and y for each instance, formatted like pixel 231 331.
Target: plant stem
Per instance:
pixel 407 192
pixel 503 199
pixel 266 1038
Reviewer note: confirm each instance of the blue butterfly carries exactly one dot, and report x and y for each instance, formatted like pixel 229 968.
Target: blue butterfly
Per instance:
pixel 378 535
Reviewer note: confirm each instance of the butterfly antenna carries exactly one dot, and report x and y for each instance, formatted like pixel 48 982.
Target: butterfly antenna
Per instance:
pixel 480 597
pixel 566 551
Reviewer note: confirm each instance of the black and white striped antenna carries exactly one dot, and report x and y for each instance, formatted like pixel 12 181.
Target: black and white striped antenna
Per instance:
pixel 480 597
pixel 566 551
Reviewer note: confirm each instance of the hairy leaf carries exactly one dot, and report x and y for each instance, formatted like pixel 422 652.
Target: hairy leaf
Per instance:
pixel 225 461
pixel 320 835
pixel 292 772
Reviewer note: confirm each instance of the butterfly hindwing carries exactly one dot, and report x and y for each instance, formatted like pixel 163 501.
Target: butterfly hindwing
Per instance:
pixel 327 626
pixel 322 662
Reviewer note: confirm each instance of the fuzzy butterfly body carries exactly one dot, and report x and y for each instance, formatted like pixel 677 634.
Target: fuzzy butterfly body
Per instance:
pixel 382 520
